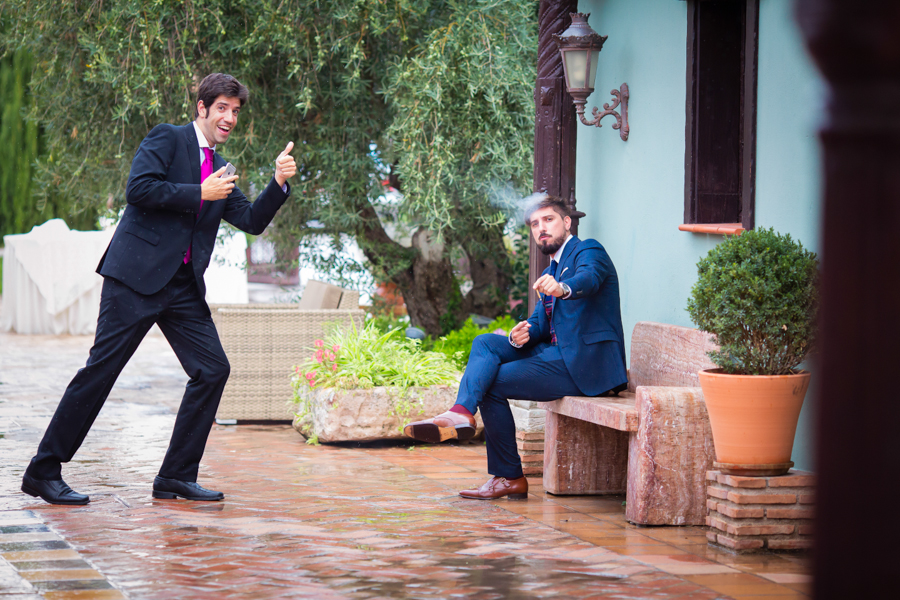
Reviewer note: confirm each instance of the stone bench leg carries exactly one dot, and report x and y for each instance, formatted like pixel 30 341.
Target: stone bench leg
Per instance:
pixel 668 458
pixel 583 458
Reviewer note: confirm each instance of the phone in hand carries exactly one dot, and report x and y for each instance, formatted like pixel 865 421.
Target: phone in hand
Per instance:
pixel 229 170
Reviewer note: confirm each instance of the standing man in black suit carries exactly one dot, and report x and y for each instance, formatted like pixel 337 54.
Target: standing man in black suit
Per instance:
pixel 153 273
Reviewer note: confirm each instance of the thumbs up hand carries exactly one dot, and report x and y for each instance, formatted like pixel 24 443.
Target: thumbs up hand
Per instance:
pixel 285 167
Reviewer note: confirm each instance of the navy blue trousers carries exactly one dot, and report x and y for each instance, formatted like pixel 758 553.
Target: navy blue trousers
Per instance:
pixel 496 372
pixel 125 318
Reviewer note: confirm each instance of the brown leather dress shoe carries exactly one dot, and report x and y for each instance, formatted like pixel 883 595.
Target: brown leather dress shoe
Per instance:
pixel 445 426
pixel 497 487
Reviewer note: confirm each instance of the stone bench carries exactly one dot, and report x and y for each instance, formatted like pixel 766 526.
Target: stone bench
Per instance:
pixel 652 442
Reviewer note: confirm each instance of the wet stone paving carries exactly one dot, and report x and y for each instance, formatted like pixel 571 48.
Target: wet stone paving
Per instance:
pixel 302 521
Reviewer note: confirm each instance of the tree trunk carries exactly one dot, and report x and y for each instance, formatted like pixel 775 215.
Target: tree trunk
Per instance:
pixel 428 285
pixel 490 271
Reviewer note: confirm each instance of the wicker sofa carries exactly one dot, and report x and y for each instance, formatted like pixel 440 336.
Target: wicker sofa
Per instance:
pixel 263 343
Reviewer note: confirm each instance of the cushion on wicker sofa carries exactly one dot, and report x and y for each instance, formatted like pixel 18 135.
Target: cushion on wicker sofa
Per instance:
pixel 318 294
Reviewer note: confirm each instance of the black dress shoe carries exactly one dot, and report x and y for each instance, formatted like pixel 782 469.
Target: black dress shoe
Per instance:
pixel 169 489
pixel 54 491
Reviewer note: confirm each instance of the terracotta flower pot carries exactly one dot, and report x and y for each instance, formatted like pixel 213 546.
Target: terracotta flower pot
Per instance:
pixel 753 419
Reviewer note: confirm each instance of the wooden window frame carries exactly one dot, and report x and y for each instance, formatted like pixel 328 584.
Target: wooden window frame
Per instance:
pixel 749 59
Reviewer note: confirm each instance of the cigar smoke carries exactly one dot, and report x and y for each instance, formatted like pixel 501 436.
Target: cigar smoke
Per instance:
pixel 507 199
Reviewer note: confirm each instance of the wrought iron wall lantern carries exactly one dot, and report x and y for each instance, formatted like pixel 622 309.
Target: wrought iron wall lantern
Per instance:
pixel 580 48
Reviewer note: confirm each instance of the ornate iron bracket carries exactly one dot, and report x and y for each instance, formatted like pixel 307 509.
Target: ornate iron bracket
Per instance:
pixel 620 97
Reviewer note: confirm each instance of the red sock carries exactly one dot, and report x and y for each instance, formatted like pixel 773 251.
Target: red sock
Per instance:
pixel 461 410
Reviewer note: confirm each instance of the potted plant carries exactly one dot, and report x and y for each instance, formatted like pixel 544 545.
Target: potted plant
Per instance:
pixel 757 294
pixel 362 384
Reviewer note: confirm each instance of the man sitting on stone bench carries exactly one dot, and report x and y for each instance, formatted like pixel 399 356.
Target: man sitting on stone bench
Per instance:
pixel 572 345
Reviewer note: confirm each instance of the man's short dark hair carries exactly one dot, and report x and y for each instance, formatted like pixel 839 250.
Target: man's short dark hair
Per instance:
pixel 219 84
pixel 560 206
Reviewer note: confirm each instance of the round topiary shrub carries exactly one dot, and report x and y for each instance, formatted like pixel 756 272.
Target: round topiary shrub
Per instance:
pixel 757 294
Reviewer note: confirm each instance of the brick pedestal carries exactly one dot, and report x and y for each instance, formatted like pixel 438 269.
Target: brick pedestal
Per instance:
pixel 531 449
pixel 529 417
pixel 756 513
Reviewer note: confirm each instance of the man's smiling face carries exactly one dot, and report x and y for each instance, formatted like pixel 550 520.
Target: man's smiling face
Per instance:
pixel 217 121
pixel 549 229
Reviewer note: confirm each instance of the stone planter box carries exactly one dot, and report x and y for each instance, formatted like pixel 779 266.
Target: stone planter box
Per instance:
pixel 370 414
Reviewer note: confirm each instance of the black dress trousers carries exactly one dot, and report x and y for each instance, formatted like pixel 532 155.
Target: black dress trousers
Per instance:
pixel 125 318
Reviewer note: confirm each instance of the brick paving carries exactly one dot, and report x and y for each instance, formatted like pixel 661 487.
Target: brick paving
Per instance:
pixel 336 521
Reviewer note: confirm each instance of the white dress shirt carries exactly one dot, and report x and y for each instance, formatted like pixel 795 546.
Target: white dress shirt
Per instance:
pixel 201 140
pixel 558 254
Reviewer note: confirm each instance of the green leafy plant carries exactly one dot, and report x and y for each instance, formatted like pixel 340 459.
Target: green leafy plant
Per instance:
pixel 757 293
pixel 365 358
pixel 351 358
pixel 457 344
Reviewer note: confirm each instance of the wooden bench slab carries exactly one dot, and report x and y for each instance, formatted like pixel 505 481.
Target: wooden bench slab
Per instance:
pixel 616 412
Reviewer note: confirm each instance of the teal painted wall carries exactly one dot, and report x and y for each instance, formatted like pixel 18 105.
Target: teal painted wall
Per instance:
pixel 633 192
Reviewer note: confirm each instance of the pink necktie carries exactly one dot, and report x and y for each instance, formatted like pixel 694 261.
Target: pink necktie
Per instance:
pixel 206 170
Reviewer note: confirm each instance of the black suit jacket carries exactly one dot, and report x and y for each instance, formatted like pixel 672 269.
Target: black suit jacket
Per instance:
pixel 160 220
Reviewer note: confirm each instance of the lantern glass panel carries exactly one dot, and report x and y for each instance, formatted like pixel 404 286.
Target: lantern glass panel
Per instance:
pixel 576 67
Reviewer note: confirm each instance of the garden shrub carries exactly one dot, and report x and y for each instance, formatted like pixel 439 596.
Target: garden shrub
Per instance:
pixel 457 344
pixel 757 293
pixel 364 358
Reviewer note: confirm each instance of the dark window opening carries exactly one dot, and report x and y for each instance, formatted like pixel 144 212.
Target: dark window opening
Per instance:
pixel 721 111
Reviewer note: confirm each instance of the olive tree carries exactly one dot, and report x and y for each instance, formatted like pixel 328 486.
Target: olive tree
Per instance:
pixel 434 96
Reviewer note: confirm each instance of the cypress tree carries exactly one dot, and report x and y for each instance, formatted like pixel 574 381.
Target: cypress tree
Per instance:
pixel 21 145
pixel 18 146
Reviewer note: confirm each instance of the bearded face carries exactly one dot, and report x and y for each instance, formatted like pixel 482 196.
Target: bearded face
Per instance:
pixel 549 229
pixel 549 245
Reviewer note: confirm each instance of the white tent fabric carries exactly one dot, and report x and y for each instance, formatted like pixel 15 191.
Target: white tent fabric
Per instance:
pixel 49 283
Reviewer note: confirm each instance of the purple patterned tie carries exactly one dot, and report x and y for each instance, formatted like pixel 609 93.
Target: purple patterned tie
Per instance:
pixel 548 304
pixel 206 170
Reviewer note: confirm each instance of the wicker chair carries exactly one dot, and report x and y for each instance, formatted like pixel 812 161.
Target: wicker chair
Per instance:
pixel 263 343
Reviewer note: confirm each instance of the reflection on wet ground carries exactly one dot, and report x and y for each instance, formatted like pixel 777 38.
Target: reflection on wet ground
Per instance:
pixel 377 521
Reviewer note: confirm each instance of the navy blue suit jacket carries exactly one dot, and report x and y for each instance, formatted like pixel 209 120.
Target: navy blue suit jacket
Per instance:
pixel 588 323
pixel 160 220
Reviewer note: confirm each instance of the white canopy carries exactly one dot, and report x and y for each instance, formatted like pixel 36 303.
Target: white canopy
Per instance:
pixel 49 283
